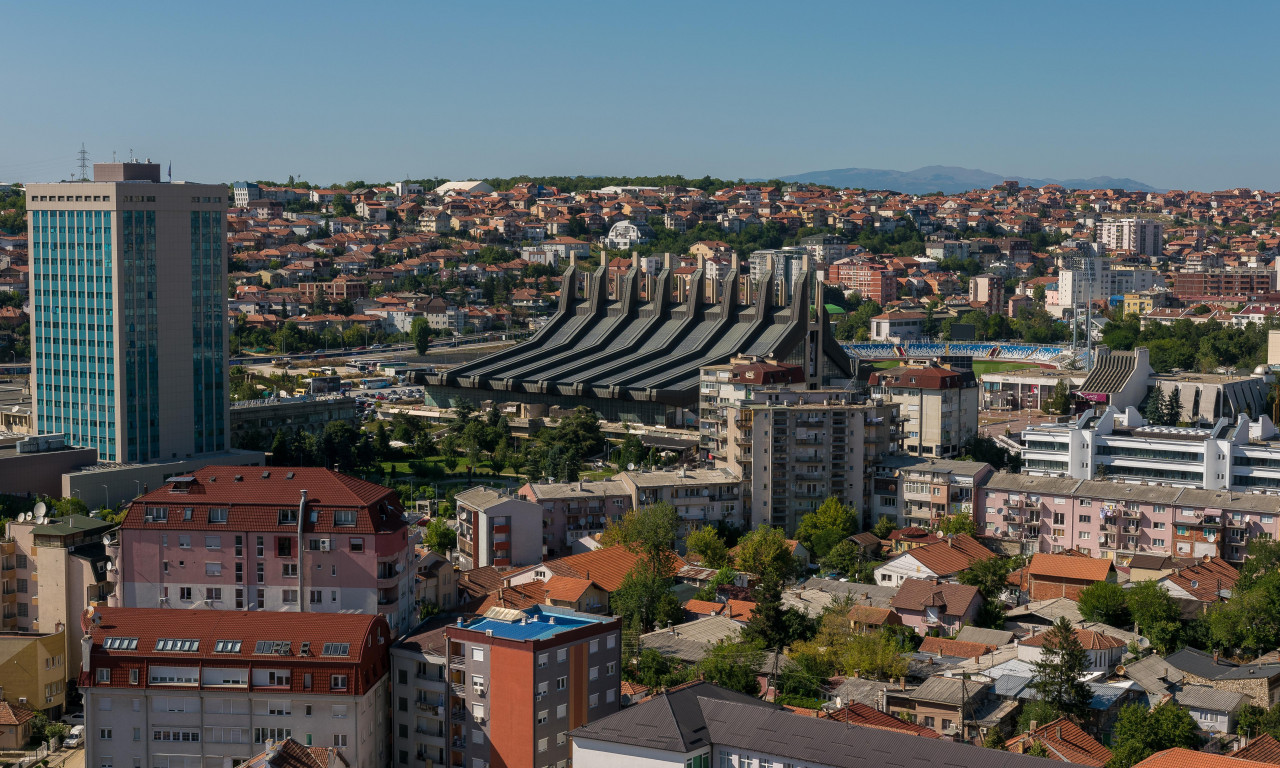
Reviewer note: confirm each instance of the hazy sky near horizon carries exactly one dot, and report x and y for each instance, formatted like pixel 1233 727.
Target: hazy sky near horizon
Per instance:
pixel 1171 94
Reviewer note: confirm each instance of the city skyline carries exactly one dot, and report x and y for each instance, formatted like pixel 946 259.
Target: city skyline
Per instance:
pixel 693 93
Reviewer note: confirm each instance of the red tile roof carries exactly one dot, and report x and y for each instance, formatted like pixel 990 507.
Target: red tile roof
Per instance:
pixel 1065 742
pixel 368 639
pixel 1206 579
pixel 958 648
pixel 916 595
pixel 949 556
pixel 290 754
pixel 254 500
pixel 1264 749
pixel 11 714
pixel 873 616
pixel 1044 565
pixel 607 566
pixel 857 713
pixel 1091 640
pixel 567 588
pixel 1189 758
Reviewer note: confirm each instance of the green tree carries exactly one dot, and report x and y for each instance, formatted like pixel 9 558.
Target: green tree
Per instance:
pixel 644 600
pixel 723 577
pixel 649 531
pixel 1104 601
pixel 1036 711
pixel 67 506
pixel 845 558
pixel 421 332
pixel 734 665
pixel 1155 615
pixel 961 522
pixel 1063 662
pixel 826 526
pixel 877 655
pixel 439 537
pixel 766 624
pixel 1140 733
pixel 1060 403
pixel 1153 411
pixel 707 544
pixel 991 577
pixel 765 551
pixel 654 670
pixel 885 526
pixel 1255 721
pixel 1172 409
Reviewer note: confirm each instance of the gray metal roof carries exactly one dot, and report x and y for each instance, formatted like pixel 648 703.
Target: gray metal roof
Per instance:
pixel 996 637
pixel 1198 663
pixel 691 641
pixel 1046 486
pixel 1212 699
pixel 1251 672
pixel 705 713
pixel 949 690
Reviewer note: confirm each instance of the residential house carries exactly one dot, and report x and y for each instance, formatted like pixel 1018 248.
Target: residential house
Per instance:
pixel 928 605
pixel 1066 575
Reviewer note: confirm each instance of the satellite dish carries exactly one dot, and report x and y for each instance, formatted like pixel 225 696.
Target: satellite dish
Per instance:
pixel 40 510
pixel 631 466
pixel 106 541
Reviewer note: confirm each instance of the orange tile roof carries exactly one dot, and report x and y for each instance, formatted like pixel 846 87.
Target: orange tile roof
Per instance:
pixel 1091 640
pixel 1189 758
pixel 1264 749
pixel 870 615
pixel 629 688
pixel 1065 742
pixel 1045 565
pixel 740 610
pixel 1206 579
pixel 11 714
pixel 916 595
pixel 607 566
pixel 567 588
pixel 857 713
pixel 949 556
pixel 958 648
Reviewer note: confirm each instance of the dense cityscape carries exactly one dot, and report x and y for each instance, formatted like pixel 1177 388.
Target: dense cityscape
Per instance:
pixel 506 389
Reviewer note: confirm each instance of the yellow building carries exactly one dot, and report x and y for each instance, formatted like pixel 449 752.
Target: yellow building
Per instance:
pixel 33 670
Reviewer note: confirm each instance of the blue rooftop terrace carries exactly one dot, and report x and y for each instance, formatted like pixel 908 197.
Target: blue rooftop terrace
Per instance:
pixel 539 622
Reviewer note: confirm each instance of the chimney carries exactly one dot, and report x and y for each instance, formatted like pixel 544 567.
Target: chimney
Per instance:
pixel 1033 726
pixel 1059 732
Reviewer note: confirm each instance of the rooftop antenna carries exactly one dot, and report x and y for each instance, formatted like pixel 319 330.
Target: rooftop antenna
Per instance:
pixel 84 162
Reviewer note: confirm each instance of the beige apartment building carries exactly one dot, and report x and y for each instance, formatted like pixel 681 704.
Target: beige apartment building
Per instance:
pixel 128 318
pixel 939 406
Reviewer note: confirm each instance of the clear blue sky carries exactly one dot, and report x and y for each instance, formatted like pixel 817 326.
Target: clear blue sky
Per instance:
pixel 1174 94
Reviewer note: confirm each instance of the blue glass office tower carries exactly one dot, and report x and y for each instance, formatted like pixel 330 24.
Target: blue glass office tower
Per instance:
pixel 128 317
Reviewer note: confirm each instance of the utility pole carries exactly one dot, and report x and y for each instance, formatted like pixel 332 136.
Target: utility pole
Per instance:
pixel 84 163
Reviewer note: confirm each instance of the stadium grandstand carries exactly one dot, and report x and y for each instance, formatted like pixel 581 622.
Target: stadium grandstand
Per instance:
pixel 630 343
pixel 1042 354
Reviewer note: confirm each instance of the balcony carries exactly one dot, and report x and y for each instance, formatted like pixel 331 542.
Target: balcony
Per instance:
pixel 458 715
pixel 1130 514
pixel 458 742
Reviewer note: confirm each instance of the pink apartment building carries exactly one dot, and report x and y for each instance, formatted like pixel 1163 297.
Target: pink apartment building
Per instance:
pixel 303 539
pixel 1117 520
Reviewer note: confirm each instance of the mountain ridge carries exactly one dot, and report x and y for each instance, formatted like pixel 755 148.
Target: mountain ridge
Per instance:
pixel 950 179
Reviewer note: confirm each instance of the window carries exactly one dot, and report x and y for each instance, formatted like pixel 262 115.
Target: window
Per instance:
pixel 339 711
pixel 1182 530
pixel 611 668
pixel 104 704
pixel 542 745
pixel 287 517
pixel 213 569
pixel 344 517
pixel 336 649
pixel 280 708
pixel 594 646
pixel 184 593
pixel 562 711
pixel 477 653
pixel 284 546
pixel 593 701
pixel 1085 519
pixel 339 739
pixel 1084 534
pixel 610 641
pixel 184 541
pixel 227 646
pixel 213 542
pixel 561 655
pixel 357 544
pixel 594 674
pixel 289 596
pixel 133 677
pixel 104 734
pixel 1157 526
pixel 104 675
pixel 609 696
pixel 561 738
pixel 542 660
pixel 338 682
pixel 218 515
pixel 928 721
pixel 259 546
pixel 477 712
pixel 213 593
pixel 562 683
pixel 1157 542
pixel 22 586
pixel 542 718
pixel 289 570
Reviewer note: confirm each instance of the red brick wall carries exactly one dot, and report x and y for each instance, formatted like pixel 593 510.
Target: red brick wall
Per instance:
pixel 1048 589
pixel 511 714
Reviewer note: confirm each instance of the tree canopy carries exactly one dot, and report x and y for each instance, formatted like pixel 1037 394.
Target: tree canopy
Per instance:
pixel 1063 662
pixel 765 551
pixel 1104 601
pixel 1140 732
pixel 826 526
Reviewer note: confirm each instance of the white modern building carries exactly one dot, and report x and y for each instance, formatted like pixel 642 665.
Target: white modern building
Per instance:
pixel 1144 236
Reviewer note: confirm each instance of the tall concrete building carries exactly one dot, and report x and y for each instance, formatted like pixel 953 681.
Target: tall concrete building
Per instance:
pixel 1145 236
pixel 129 340
pixel 939 406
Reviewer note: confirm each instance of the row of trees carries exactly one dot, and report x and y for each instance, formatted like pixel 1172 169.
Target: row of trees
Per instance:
pixel 1191 346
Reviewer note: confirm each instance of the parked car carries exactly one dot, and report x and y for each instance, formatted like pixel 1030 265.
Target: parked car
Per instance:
pixel 75 738
pixel 74 719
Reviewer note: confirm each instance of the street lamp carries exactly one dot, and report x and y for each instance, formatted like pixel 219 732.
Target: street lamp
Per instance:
pixel 106 496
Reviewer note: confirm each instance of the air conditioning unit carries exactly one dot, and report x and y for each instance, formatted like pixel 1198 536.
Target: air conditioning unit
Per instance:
pixel 324 545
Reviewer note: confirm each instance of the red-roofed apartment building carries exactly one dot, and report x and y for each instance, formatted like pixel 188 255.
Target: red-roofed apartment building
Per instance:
pixel 200 688
pixel 267 539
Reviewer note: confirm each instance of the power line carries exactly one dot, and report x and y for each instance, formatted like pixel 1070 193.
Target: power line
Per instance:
pixel 84 163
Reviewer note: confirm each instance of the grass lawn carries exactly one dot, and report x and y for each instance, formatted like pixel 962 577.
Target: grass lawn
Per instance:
pixel 881 365
pixel 989 366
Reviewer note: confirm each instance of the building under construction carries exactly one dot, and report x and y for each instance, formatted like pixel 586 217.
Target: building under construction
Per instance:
pixel 629 343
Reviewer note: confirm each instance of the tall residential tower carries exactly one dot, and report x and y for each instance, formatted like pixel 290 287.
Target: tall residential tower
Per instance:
pixel 129 328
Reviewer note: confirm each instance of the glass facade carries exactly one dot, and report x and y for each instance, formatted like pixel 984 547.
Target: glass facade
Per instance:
pixel 140 332
pixel 208 325
pixel 73 327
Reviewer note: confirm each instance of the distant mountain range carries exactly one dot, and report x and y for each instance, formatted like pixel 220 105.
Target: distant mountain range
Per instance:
pixel 949 179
